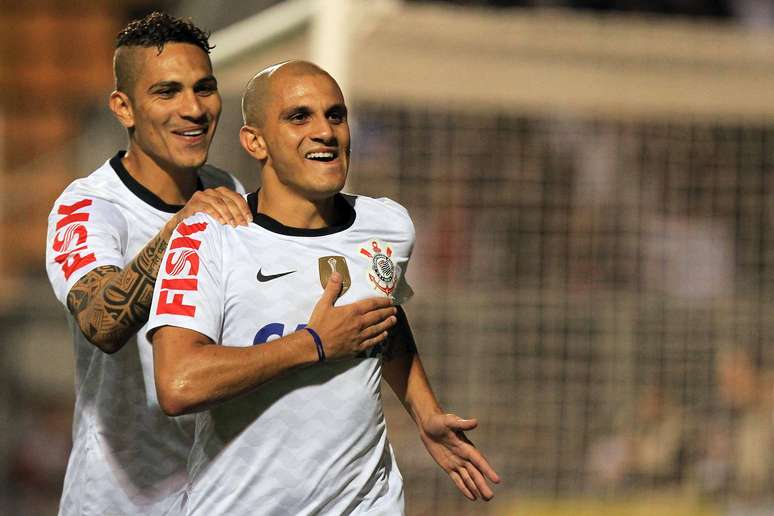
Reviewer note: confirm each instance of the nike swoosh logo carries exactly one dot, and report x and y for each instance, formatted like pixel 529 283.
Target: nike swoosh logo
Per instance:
pixel 270 277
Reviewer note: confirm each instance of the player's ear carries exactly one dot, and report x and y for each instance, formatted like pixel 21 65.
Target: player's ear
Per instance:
pixel 121 107
pixel 253 142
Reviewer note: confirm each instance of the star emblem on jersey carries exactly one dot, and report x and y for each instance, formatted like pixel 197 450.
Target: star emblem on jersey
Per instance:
pixel 383 273
pixel 330 264
pixel 268 277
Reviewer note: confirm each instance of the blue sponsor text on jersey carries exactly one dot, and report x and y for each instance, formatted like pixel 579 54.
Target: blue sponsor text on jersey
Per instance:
pixel 277 330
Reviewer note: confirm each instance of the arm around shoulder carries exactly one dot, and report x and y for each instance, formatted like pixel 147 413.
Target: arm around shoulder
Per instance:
pixel 111 304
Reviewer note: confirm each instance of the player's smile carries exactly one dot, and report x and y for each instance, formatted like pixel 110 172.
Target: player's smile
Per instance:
pixel 326 156
pixel 194 134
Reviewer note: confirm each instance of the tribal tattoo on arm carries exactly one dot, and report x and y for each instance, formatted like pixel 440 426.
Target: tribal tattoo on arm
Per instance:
pixel 400 340
pixel 111 304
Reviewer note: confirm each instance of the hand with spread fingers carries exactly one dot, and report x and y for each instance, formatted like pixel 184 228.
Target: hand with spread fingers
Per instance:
pixel 222 204
pixel 442 435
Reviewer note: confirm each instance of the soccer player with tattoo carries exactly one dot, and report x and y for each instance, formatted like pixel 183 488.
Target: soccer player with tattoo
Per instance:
pixel 286 387
pixel 107 233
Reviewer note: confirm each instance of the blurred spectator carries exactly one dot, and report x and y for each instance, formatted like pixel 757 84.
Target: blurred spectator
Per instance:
pixel 737 456
pixel 648 451
pixel 657 443
pixel 745 390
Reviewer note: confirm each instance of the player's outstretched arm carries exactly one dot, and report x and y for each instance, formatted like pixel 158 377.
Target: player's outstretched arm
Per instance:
pixel 442 434
pixel 192 373
pixel 110 304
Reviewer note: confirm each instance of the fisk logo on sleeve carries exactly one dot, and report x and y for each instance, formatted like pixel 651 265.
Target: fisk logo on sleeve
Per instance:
pixel 70 238
pixel 183 263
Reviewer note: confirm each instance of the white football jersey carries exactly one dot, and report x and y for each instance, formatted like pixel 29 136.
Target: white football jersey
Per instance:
pixel 128 457
pixel 312 441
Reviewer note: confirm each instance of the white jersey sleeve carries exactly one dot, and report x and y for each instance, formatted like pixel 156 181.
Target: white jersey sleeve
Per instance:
pixel 401 221
pixel 83 233
pixel 188 291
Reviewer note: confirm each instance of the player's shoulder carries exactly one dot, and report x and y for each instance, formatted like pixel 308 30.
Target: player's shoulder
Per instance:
pixel 213 177
pixel 382 210
pixel 200 233
pixel 99 184
pixel 377 205
pixel 96 193
pixel 202 224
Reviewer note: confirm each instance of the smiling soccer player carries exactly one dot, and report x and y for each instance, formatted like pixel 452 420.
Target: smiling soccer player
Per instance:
pixel 287 388
pixel 107 233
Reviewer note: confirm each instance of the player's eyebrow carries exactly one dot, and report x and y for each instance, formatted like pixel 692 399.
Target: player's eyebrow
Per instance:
pixel 210 80
pixel 306 110
pixel 164 85
pixel 337 108
pixel 292 110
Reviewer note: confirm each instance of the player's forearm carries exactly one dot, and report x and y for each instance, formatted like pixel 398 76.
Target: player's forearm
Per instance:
pixel 402 369
pixel 193 375
pixel 111 304
pixel 407 378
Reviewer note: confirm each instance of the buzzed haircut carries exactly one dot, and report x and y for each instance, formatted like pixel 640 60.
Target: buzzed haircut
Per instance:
pixel 256 92
pixel 154 30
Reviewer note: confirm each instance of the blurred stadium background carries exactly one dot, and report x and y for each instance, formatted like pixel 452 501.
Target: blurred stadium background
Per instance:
pixel 592 185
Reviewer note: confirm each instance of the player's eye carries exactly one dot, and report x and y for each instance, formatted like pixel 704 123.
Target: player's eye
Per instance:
pixel 298 117
pixel 165 93
pixel 206 88
pixel 336 118
pixel 337 115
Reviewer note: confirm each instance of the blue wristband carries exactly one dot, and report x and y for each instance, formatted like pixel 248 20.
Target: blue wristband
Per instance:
pixel 318 343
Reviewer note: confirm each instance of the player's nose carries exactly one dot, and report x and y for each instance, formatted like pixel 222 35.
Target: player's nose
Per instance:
pixel 322 130
pixel 191 105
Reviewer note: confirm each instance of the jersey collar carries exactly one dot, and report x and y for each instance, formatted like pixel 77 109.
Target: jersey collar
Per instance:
pixel 344 205
pixel 140 191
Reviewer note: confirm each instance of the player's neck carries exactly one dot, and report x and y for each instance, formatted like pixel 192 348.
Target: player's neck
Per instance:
pixel 173 187
pixel 297 212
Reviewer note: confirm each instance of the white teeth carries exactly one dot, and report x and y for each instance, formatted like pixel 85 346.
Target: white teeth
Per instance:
pixel 197 132
pixel 316 155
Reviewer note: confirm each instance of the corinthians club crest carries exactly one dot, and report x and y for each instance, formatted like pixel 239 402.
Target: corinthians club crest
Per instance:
pixel 330 264
pixel 383 273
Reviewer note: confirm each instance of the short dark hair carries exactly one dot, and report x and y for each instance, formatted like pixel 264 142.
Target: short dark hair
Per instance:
pixel 154 30
pixel 158 29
